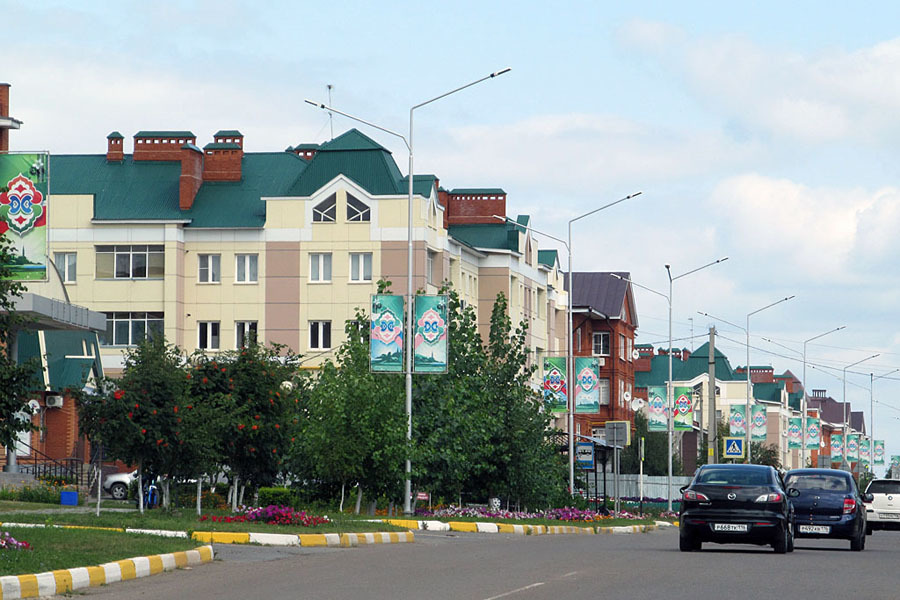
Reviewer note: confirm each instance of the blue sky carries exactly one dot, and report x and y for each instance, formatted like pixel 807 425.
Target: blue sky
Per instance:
pixel 765 133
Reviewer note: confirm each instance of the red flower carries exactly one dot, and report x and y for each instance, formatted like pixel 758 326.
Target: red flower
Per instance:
pixel 190 407
pixel 143 431
pixel 118 394
pixel 205 380
pixel 277 426
pixel 130 415
pixel 223 369
pixel 179 420
pixel 271 401
pixel 255 427
pixel 175 408
pixel 154 411
pixel 256 417
pixel 252 449
pixel 188 375
pixel 136 406
pixel 241 426
pixel 273 451
pixel 158 442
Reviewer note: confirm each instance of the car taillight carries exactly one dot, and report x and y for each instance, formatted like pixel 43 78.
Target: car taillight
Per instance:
pixel 692 495
pixel 773 497
pixel 849 506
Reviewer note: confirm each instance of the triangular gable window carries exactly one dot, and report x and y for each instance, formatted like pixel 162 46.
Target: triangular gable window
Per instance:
pixel 357 210
pixel 326 210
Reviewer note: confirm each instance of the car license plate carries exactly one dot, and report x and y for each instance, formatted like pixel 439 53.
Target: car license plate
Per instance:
pixel 814 528
pixel 733 527
pixel 889 515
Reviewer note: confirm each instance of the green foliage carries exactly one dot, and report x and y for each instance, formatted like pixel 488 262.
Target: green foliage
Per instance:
pixel 656 454
pixel 45 493
pixel 765 454
pixel 279 496
pixel 722 431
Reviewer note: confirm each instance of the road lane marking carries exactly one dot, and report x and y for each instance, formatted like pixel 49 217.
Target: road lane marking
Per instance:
pixel 511 592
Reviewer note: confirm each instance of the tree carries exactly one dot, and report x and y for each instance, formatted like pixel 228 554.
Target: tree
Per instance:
pixel 765 454
pixel 656 456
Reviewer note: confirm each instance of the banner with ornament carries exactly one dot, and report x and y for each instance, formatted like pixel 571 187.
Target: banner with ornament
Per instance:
pixel 386 334
pixel 23 213
pixel 852 447
pixel 684 409
pixel 837 447
pixel 879 453
pixel 430 340
pixel 657 415
pixel 813 433
pixel 795 433
pixel 865 446
pixel 587 385
pixel 758 423
pixel 555 392
pixel 737 421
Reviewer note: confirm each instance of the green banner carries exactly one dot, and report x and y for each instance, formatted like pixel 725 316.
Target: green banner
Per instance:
pixel 386 334
pixel 23 213
pixel 895 461
pixel 555 390
pixel 813 433
pixel 430 341
pixel 587 385
pixel 795 433
pixel 758 423
pixel 684 409
pixel 852 447
pixel 865 447
pixel 657 416
pixel 737 421
pixel 837 447
pixel 879 453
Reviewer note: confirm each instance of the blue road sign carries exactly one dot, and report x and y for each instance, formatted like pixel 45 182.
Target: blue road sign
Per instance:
pixel 734 447
pixel 584 455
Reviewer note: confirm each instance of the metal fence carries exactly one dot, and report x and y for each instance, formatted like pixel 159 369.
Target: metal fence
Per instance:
pixel 629 485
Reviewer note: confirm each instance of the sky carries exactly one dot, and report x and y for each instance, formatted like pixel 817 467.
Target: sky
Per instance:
pixel 767 134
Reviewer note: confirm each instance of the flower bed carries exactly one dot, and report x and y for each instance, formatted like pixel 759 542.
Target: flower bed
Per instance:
pixel 271 515
pixel 8 542
pixel 566 514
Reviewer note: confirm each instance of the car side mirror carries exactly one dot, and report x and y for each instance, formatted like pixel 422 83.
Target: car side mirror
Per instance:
pixel 868 497
pixel 793 492
pixel 681 491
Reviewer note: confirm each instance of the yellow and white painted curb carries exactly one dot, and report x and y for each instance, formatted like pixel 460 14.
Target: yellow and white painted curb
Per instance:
pixel 345 540
pixel 68 580
pixel 480 527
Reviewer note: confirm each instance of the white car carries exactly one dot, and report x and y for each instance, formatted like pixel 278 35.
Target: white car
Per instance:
pixel 883 511
pixel 116 485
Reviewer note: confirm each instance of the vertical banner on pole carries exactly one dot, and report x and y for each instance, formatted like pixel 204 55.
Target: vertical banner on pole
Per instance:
pixel 865 447
pixel 837 447
pixel 386 334
pixel 795 433
pixel 813 433
pixel 879 453
pixel 587 385
pixel 684 409
pixel 23 213
pixel 737 422
pixel 852 443
pixel 555 392
pixel 657 416
pixel 758 423
pixel 430 341
pixel 895 461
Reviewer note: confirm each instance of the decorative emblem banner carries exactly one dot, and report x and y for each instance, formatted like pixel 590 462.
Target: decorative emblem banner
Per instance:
pixel 737 422
pixel 587 385
pixel 852 447
pixel 431 327
pixel 657 416
pixel 865 458
pixel 555 392
pixel 758 423
pixel 386 334
pixel 879 453
pixel 837 447
pixel 795 433
pixel 23 213
pixel 684 409
pixel 813 433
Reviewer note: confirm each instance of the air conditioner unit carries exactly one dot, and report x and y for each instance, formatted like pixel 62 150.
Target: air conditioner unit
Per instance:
pixel 54 401
pixel 602 361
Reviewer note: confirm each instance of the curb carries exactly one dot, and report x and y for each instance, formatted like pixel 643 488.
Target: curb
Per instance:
pixel 480 527
pixel 309 540
pixel 67 580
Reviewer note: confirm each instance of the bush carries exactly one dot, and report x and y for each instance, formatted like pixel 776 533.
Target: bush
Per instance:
pixel 42 493
pixel 278 496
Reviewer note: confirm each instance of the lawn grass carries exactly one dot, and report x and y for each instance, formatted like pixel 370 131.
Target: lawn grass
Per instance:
pixel 15 506
pixel 65 548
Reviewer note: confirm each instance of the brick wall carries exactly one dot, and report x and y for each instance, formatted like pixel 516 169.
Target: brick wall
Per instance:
pixel 474 208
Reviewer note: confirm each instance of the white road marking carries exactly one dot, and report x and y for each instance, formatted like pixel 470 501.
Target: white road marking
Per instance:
pixel 521 589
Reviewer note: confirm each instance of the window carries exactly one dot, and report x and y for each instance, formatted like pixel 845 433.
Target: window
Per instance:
pixel 621 347
pixel 208 335
pixel 319 335
pixel 356 210
pixel 131 328
pixel 603 388
pixel 209 268
pixel 246 268
pixel 65 263
pixel 429 266
pixel 244 333
pixel 130 262
pixel 326 210
pixel 601 344
pixel 621 393
pixel 320 267
pixel 628 349
pixel 360 266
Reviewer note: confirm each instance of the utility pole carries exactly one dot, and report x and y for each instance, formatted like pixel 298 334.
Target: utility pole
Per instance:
pixel 712 453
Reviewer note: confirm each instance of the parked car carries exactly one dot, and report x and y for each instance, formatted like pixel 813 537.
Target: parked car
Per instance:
pixel 827 504
pixel 883 510
pixel 117 484
pixel 735 504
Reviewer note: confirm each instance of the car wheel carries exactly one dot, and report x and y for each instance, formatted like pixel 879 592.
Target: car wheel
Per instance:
pixel 688 544
pixel 119 491
pixel 780 543
pixel 858 543
pixel 790 540
pixel 869 529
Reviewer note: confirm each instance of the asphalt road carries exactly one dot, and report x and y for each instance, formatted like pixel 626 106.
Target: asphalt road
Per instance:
pixel 551 567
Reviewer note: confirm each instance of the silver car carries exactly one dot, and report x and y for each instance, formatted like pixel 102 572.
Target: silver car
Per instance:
pixel 116 485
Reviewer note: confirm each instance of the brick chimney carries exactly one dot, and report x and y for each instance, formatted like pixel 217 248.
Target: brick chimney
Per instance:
pixel 6 121
pixel 191 175
pixel 161 145
pixel 115 150
pixel 306 151
pixel 472 206
pixel 222 158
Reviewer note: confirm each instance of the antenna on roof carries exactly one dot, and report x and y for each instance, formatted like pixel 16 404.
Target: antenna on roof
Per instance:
pixel 330 115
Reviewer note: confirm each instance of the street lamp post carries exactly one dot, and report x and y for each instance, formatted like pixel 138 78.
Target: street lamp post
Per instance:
pixel 804 408
pixel 407 486
pixel 670 426
pixel 845 464
pixel 872 380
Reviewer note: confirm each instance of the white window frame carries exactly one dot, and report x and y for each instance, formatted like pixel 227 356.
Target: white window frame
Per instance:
pixel 621 346
pixel 320 258
pixel 321 215
pixel 150 253
pixel 628 349
pixel 149 322
pixel 596 335
pixel 603 389
pixel 213 331
pixel 429 266
pixel 246 268
pixel 358 215
pixel 358 270
pixel 320 327
pixel 243 329
pixel 209 268
pixel 67 265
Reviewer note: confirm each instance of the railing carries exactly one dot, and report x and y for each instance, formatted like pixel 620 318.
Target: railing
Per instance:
pixel 43 466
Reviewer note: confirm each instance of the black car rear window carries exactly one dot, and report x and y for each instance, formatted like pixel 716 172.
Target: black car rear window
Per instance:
pixel 884 487
pixel 821 482
pixel 726 476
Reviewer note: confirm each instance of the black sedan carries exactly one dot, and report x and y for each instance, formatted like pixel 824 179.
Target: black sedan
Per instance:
pixel 827 504
pixel 735 504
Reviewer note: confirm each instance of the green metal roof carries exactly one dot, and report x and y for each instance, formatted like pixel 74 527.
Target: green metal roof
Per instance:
pixel 222 146
pixel 769 392
pixel 115 135
pixel 548 257
pixel 685 370
pixel 153 134
pixel 480 191
pixel 67 364
pixel 794 400
pixel 228 133
pixel 502 236
pixel 305 147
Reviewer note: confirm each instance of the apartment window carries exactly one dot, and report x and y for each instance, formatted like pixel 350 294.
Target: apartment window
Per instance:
pixel 209 270
pixel 601 344
pixel 429 266
pixel 319 335
pixel 326 210
pixel 621 347
pixel 130 262
pixel 65 263
pixel 131 328
pixel 246 268
pixel 621 393
pixel 604 392
pixel 357 211
pixel 208 335
pixel 628 349
pixel 320 266
pixel 244 333
pixel 360 266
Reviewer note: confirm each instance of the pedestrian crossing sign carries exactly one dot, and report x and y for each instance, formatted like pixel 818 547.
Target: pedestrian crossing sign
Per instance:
pixel 734 447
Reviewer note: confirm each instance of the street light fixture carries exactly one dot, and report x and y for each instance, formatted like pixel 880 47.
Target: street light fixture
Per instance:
pixel 570 358
pixel 407 491
pixel 669 407
pixel 804 408
pixel 845 464
pixel 872 380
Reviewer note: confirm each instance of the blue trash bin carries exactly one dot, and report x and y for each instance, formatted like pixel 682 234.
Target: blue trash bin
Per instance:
pixel 68 498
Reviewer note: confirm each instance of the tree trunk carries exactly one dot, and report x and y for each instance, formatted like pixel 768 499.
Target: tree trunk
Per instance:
pixel 140 489
pixel 359 495
pixel 199 491
pixel 341 508
pixel 243 489
pixel 166 494
pixel 373 505
pixel 234 493
pixel 391 508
